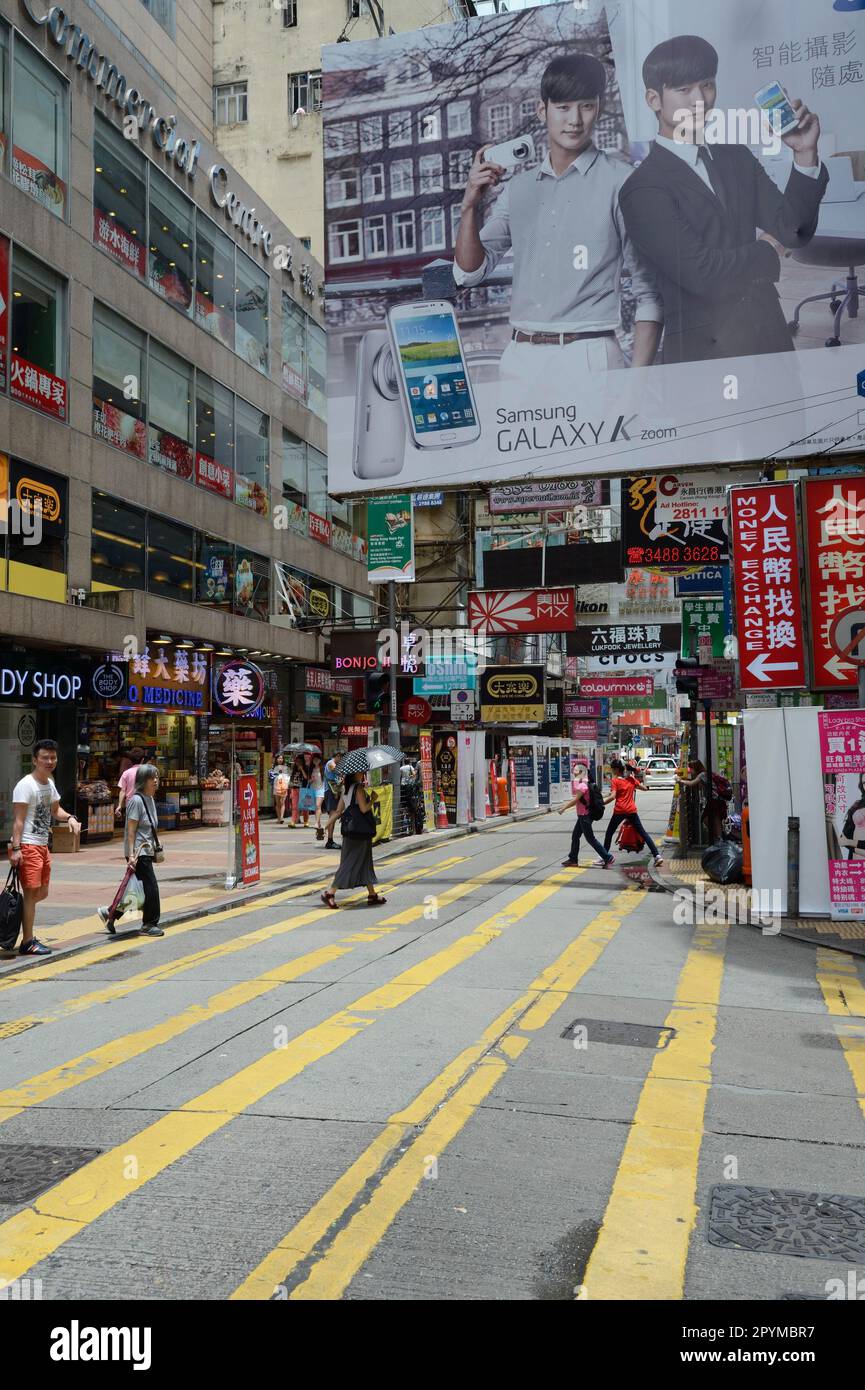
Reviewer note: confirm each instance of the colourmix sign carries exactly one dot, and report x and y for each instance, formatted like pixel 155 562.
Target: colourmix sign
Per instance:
pixel 514 296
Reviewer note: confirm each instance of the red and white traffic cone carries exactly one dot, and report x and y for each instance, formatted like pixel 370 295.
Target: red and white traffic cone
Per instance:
pixel 442 815
pixel 488 807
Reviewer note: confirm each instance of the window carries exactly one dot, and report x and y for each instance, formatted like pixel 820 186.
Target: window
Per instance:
pixel 456 212
pixel 214 281
pixel 373 183
pixel 169 412
pixel 289 14
pixel 459 163
pixel 375 235
pixel 399 128
pixel 170 257
pixel 429 125
pixel 401 178
pixel 304 94
pixel 341 139
pixel 344 241
pixel 4 96
pixel 164 12
pixel 119 198
pixel 252 585
pixel 403 231
pixel 215 567
pixel 252 333
pixel 118 544
pixel 459 118
pixel 344 186
pixel 119 382
pixel 432 229
pixel 499 121
pixel 293 469
pixel 316 473
pixel 41 130
pixel 38 365
pixel 306 243
pixel 252 458
pixel 430 170
pixel 170 559
pixel 38 570
pixel 317 362
pixel 371 133
pixel 528 110
pixel 293 348
pixel 214 436
pixel 229 103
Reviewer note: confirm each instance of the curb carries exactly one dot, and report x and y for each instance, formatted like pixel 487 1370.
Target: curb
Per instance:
pixel 404 845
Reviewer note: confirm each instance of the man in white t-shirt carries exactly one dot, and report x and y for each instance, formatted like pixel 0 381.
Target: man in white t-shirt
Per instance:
pixel 35 801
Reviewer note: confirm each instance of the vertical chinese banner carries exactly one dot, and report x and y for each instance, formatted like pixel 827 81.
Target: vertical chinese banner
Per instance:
pixel 842 757
pixel 766 578
pixel 426 765
pixel 835 535
pixel 4 309
pixel 247 805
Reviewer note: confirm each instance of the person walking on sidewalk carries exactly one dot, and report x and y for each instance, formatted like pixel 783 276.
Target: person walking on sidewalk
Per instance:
pixel 299 783
pixel 332 789
pixel 356 868
pixel 126 780
pixel 582 786
pixel 623 790
pixel 35 799
pixel 279 781
pixel 316 782
pixel 142 848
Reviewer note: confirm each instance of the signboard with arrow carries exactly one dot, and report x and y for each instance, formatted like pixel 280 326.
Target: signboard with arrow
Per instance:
pixel 766 566
pixel 835 530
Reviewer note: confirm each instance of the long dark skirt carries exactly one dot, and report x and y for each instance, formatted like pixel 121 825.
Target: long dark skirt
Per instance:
pixel 355 862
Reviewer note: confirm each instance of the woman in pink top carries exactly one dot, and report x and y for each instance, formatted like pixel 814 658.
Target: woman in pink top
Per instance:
pixel 126 780
pixel 583 827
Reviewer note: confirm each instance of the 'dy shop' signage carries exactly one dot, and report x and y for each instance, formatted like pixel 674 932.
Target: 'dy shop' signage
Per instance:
pixel 23 681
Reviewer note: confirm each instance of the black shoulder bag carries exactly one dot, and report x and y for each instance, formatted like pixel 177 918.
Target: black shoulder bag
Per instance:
pixel 354 821
pixel 11 910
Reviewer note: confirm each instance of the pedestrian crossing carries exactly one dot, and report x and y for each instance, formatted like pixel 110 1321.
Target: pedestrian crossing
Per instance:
pixel 508 912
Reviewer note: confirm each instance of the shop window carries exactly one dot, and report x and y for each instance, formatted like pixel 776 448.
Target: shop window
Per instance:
pixel 38 366
pixel 214 436
pixel 215 570
pixel 170 559
pixel 119 367
pixel 293 348
pixel 230 103
pixel 37 545
pixel 304 93
pixel 171 236
pixel 117 544
pixel 252 313
pixel 317 351
pixel 252 585
pixel 4 96
pixel 214 281
pixel 316 474
pixel 252 464
pixel 40 133
pixel 293 468
pixel 119 198
pixel 169 397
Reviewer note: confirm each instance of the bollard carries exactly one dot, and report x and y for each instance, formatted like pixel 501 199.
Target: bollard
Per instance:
pixel 792 866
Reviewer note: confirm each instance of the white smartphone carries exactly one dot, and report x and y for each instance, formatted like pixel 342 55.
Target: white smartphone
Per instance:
pixel 511 152
pixel 778 107
pixel 379 420
pixel 433 379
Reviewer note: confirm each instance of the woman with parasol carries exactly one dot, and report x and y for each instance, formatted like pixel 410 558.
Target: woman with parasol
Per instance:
pixel 356 868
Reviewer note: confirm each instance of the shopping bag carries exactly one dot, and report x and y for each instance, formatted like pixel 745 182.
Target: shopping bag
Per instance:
pixel 11 908
pixel 133 898
pixel 306 799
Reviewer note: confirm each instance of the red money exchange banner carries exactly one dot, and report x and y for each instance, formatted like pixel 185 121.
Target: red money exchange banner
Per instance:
pixel 766 580
pixel 835 530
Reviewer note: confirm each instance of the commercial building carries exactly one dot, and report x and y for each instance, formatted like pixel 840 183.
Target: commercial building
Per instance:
pixel 162 401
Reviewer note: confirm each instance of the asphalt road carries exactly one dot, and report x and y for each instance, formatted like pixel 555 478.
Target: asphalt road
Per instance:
pixel 379 1103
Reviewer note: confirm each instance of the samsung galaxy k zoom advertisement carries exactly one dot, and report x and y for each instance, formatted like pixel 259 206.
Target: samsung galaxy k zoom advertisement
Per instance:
pixel 575 239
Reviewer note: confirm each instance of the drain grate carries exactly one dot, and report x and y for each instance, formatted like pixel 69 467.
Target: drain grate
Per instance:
pixel 28 1169
pixel 775 1221
pixel 18 1025
pixel 609 1030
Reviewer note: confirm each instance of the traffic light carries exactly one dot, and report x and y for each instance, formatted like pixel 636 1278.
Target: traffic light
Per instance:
pixel 377 691
pixel 686 682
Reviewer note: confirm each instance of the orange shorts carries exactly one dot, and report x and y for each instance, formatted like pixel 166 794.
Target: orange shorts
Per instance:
pixel 35 867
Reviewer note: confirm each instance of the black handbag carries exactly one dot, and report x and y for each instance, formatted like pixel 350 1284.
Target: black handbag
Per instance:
pixel 354 821
pixel 11 911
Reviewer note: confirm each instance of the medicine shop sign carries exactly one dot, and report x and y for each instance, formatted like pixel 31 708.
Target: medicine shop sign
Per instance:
pixel 168 679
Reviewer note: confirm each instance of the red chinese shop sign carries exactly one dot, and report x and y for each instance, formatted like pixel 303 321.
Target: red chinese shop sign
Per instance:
pixel 766 580
pixel 42 390
pixel 247 808
pixel 522 610
pixel 4 308
pixel 835 530
pixel 216 477
pixel 617 685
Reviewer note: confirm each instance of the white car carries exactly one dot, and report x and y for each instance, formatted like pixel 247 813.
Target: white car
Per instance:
pixel 659 772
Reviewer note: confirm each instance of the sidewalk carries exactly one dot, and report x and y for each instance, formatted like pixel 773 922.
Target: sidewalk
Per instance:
pixel 192 878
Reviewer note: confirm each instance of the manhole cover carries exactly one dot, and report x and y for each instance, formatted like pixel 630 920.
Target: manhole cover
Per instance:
pixel 774 1221
pixel 609 1030
pixel 28 1169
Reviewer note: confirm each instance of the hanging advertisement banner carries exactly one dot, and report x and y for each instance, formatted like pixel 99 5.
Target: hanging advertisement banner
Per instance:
pixel 522 610
pixel 618 640
pixel 703 618
pixel 4 309
pixel 556 496
pixel 648 542
pixel 617 685
pixel 766 577
pixel 513 695
pixel 391 539
pixel 587 709
pixel 37 388
pixel 247 829
pixel 552 388
pixel 842 755
pixel 445 768
pixel 709 580
pixel 834 515
pixel 426 767
pixel 695 498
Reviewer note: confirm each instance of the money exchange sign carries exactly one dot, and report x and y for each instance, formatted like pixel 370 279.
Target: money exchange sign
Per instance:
pixel 835 530
pixel 766 577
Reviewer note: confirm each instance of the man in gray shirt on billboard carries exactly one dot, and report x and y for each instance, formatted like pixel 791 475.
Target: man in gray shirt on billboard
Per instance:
pixel 562 222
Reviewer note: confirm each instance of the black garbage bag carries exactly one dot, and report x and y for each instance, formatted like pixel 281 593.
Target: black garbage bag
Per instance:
pixel 723 862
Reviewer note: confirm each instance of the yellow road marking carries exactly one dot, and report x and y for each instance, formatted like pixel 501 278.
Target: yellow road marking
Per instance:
pixel 844 994
pixel 167 969
pixel 332 1274
pixel 56 1080
pixel 642 1247
pixel 51 969
pixel 65 1210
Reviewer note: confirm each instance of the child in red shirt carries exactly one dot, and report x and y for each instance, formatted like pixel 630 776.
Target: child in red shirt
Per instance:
pixel 623 790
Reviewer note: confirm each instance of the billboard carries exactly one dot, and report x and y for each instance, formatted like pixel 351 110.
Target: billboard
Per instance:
pixel 522 610
pixel 608 293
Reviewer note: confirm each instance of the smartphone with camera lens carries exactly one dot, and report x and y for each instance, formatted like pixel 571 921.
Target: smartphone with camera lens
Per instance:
pixel 432 374
pixel 379 420
pixel 511 152
pixel 776 104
